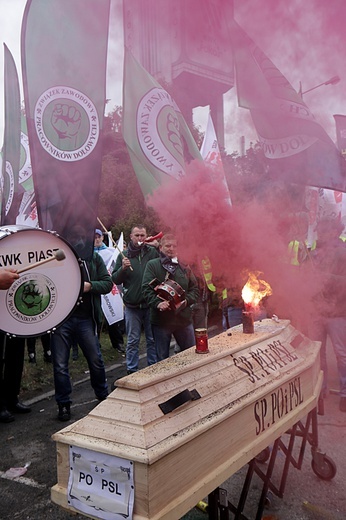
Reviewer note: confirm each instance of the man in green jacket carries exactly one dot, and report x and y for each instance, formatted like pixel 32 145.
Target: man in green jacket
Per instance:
pixel 82 325
pixel 128 271
pixel 165 320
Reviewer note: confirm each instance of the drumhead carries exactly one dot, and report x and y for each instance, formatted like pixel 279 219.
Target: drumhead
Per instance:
pixel 175 286
pixel 44 296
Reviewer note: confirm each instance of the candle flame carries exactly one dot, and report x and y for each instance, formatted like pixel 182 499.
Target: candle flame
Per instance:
pixel 255 289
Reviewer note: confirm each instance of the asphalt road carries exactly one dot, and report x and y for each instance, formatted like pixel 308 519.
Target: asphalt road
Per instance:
pixel 28 440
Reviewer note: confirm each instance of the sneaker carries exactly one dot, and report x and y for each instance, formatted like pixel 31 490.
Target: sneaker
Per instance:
pixel 64 412
pixel 6 416
pixel 32 358
pixel 342 404
pixel 18 407
pixel 120 349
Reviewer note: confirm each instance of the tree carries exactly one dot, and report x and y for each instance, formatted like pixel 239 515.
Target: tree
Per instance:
pixel 121 203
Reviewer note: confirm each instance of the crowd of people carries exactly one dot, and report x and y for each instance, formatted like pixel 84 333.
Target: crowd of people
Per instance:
pixel 147 272
pixel 82 328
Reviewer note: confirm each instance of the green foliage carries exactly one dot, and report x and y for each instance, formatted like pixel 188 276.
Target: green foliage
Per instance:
pixel 122 204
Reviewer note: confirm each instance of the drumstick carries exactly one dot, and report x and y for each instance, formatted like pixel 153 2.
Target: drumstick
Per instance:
pixel 114 243
pixel 57 255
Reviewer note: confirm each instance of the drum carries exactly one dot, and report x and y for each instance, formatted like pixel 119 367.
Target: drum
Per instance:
pixel 173 292
pixel 45 295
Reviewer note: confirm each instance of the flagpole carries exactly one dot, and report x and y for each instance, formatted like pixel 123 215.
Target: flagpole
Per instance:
pixel 113 242
pixel 332 81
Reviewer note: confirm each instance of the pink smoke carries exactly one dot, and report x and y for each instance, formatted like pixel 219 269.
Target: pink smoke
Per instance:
pixel 246 237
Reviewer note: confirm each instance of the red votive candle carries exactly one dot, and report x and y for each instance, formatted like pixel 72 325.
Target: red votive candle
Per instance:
pixel 201 336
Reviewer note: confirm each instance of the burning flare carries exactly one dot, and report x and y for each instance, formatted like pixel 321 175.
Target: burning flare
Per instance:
pixel 255 290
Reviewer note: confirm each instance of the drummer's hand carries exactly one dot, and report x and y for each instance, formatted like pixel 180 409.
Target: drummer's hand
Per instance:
pixel 87 286
pixel 163 306
pixel 126 263
pixel 7 276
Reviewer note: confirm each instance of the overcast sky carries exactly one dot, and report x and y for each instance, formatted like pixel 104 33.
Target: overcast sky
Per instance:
pixel 306 40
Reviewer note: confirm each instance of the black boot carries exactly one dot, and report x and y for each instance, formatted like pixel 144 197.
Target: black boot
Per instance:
pixel 64 412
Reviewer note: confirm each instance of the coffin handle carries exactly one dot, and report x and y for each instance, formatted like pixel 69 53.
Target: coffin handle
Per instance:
pixel 178 400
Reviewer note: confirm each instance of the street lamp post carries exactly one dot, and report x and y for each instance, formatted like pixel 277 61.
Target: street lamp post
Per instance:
pixel 332 81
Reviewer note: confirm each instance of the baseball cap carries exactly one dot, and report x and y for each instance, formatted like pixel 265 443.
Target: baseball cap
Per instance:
pixel 98 232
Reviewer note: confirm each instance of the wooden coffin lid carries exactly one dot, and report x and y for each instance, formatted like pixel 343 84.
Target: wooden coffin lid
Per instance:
pixel 236 372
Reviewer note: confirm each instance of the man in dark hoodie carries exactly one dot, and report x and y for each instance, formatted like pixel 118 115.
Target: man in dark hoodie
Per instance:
pixel 128 271
pixel 11 362
pixel 166 320
pixel 82 327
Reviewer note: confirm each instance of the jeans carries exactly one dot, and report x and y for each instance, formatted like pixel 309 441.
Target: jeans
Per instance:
pixel 185 337
pixel 231 316
pixel 134 320
pixel 336 329
pixel 84 332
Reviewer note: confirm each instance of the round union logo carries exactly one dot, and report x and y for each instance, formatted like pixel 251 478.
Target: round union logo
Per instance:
pixel 160 130
pixel 32 298
pixel 67 123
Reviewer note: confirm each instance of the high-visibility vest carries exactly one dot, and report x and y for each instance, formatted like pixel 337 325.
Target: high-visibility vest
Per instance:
pixel 207 273
pixel 293 250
